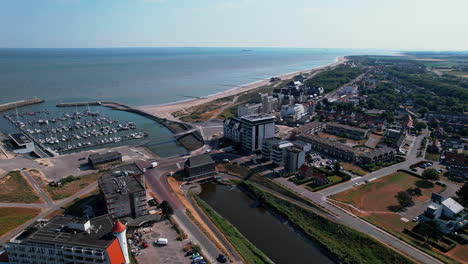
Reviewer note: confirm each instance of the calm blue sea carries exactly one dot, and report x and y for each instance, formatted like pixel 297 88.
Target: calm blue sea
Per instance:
pixel 143 76
pixel 146 76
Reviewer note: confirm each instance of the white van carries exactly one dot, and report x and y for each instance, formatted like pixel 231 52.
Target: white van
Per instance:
pixel 161 241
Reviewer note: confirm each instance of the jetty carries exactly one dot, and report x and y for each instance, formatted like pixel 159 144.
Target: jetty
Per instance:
pixel 8 106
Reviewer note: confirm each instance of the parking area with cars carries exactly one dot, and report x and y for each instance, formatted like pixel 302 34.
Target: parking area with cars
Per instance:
pixel 170 252
pixel 319 160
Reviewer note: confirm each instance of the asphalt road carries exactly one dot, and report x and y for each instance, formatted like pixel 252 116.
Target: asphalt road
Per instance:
pixel 160 187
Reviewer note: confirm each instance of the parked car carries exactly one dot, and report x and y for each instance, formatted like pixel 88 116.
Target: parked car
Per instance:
pixel 198 258
pixel 221 258
pixel 190 252
pixel 208 151
pixel 416 219
pixel 161 241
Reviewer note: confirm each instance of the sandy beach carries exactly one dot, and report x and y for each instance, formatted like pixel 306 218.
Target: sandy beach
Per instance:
pixel 166 110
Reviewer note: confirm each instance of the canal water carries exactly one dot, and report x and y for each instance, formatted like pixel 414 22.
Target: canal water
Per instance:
pixel 272 234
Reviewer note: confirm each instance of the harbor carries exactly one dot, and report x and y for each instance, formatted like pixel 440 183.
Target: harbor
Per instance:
pixel 62 132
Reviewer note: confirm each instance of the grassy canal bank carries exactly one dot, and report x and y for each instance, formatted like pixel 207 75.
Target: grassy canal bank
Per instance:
pixel 249 251
pixel 346 244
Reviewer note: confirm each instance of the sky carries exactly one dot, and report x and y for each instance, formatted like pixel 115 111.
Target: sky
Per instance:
pixel 377 24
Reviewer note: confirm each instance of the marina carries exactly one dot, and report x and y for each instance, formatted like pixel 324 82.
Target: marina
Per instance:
pixel 63 132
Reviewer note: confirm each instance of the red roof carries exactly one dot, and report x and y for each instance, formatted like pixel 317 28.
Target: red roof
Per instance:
pixel 304 168
pixel 118 227
pixel 114 251
pixel 4 257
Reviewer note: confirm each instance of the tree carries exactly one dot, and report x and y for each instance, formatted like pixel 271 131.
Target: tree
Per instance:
pixel 430 229
pixel 419 125
pixel 462 195
pixel 261 199
pixel 431 174
pixel 337 166
pixel 414 191
pixel 166 208
pixel 404 199
pixel 309 158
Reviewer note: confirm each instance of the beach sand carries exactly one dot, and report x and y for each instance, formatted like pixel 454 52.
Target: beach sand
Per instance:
pixel 167 110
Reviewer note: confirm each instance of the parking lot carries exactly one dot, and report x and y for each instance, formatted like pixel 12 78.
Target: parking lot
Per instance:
pixel 172 253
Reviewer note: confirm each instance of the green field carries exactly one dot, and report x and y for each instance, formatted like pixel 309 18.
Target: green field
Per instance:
pixel 346 244
pixel 15 189
pixel 248 250
pixel 11 217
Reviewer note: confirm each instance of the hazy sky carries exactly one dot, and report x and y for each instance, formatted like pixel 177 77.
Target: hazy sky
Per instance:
pixel 385 24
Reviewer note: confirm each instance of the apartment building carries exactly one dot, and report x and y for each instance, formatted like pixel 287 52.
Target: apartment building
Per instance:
pixel 249 109
pixel 70 240
pixel 330 148
pixel 250 131
pixel 346 131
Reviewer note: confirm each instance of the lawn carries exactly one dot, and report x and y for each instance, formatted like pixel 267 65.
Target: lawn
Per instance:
pixel 432 156
pixel 76 207
pixel 68 189
pixel 379 195
pixel 376 199
pixel 12 217
pixel 346 244
pixel 334 179
pixel 15 189
pixel 353 168
pixel 248 250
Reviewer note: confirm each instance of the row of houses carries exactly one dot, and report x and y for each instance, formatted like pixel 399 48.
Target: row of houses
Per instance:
pixel 343 152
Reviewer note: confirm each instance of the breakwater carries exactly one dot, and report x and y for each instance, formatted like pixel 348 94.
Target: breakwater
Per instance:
pixel 8 106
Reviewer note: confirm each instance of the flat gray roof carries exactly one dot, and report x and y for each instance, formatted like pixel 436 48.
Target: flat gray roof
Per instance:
pixel 20 138
pixel 56 231
pixel 258 117
pixel 199 160
pixel 121 180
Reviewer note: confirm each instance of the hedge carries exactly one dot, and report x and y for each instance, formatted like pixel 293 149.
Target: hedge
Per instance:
pixel 441 247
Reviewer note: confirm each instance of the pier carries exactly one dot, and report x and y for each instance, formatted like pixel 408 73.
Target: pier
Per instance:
pixel 8 106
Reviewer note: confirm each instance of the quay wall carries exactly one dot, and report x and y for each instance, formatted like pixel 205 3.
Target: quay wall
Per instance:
pixel 8 106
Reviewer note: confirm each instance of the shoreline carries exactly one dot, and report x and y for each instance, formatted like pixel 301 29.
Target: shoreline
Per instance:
pixel 166 110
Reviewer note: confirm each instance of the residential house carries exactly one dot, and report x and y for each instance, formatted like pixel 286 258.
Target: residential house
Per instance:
pixel 449 214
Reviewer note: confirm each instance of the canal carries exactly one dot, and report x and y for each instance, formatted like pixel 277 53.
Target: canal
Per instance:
pixel 271 234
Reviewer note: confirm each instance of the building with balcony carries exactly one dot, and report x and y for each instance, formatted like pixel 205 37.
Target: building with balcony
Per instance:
pixel 250 131
pixel 69 240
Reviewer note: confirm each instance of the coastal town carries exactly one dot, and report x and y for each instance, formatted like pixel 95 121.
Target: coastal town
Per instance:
pixel 369 150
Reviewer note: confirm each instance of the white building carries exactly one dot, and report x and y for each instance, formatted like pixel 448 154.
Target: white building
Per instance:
pixel 70 240
pixel 295 111
pixel 295 157
pixel 446 212
pixel 249 109
pixel 250 131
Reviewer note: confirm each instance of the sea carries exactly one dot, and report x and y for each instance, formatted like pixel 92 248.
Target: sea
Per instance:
pixel 145 76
